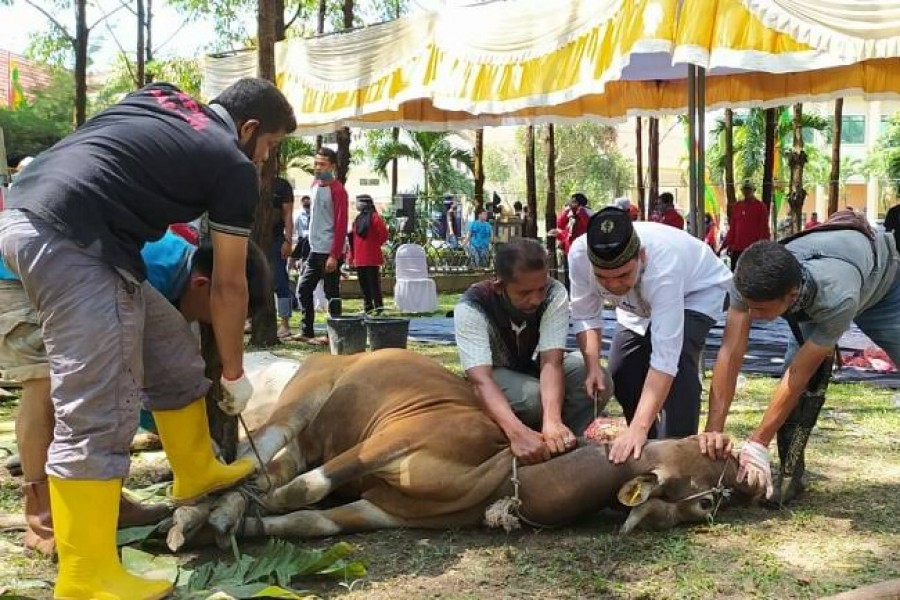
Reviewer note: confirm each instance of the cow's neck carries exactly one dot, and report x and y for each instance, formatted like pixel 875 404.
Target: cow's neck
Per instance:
pixel 577 483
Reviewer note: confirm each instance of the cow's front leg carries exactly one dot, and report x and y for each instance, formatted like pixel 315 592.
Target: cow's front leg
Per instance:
pixel 304 490
pixel 269 442
pixel 286 465
pixel 365 458
pixel 357 516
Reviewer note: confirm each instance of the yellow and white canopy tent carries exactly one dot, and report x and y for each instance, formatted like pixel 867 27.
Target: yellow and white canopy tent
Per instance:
pixel 531 61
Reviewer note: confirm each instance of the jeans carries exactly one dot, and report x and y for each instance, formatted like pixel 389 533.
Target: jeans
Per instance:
pixel 313 272
pixel 880 322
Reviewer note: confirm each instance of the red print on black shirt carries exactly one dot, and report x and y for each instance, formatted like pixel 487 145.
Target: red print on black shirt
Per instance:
pixel 183 106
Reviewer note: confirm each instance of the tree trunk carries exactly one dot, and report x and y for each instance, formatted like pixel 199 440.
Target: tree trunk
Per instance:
pixel 653 160
pixel 730 196
pixel 320 20
pixel 530 182
pixel 320 30
pixel 797 161
pixel 834 181
pixel 81 55
pixel 140 57
pixel 264 322
pixel 768 187
pixel 550 211
pixel 343 134
pixel 395 165
pixel 479 170
pixel 148 23
pixel 639 168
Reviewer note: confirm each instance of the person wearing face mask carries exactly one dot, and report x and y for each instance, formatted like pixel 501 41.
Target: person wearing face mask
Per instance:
pixel 511 334
pixel 368 236
pixel 668 288
pixel 73 230
pixel 327 235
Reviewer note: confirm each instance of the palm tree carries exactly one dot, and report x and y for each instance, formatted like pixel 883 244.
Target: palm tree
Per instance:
pixel 749 145
pixel 833 180
pixel 430 149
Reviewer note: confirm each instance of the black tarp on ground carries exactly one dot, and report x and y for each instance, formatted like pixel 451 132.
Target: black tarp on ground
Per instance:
pixel 765 350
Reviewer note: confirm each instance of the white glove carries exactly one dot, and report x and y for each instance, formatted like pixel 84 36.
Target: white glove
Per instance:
pixel 755 468
pixel 235 395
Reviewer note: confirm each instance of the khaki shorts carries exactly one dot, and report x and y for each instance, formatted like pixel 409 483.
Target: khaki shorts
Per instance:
pixel 22 353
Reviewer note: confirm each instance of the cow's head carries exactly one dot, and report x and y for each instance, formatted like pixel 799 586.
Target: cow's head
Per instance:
pixel 679 484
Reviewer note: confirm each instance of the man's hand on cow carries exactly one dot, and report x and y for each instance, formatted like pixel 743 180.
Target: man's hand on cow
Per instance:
pixel 755 468
pixel 528 446
pixel 715 444
pixel 331 265
pixel 629 443
pixel 235 394
pixel 558 438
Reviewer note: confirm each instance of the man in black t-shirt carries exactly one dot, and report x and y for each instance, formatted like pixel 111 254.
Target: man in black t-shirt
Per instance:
pixel 282 234
pixel 76 221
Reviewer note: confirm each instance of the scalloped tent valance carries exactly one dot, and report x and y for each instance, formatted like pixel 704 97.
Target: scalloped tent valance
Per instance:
pixel 531 61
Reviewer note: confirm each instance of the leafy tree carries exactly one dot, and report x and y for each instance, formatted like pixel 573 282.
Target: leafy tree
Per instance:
pixel 438 157
pixel 42 121
pixel 883 161
pixel 62 42
pixel 587 161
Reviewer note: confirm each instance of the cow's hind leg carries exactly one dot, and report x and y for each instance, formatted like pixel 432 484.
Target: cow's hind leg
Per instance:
pixel 363 459
pixel 361 515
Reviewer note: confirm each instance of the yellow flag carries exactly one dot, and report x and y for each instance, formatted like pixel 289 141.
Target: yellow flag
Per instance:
pixel 16 92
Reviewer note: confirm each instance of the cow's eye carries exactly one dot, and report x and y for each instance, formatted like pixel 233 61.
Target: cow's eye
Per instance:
pixel 706 503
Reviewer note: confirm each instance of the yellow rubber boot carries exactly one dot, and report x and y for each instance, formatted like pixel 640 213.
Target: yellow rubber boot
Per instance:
pixel 85 513
pixel 185 438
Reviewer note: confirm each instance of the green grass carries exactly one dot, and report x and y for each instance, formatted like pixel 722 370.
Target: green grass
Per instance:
pixel 842 534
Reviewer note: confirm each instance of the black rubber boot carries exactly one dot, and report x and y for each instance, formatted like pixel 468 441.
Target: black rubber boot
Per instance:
pixel 793 437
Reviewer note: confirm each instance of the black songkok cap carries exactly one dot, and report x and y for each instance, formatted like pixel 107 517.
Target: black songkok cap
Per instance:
pixel 611 238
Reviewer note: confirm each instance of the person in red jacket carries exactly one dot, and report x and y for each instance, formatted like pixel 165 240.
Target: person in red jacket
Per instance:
pixel 366 239
pixel 667 213
pixel 747 223
pixel 572 222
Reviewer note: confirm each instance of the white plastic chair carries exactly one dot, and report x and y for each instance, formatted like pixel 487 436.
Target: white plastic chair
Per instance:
pixel 414 291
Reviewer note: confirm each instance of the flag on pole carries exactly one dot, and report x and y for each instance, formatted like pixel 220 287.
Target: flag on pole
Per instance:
pixel 16 91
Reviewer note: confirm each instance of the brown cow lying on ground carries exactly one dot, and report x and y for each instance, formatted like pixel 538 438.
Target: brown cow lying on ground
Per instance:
pixel 403 441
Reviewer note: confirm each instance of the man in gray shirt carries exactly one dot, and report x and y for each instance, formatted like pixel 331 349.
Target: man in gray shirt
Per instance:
pixel 820 283
pixel 327 235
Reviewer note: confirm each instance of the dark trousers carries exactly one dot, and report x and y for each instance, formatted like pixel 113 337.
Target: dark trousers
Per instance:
pixel 629 361
pixel 733 256
pixel 370 286
pixel 313 272
pixel 280 278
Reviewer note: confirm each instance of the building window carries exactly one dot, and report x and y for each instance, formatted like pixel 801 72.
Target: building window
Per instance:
pixel 885 123
pixel 369 182
pixel 853 129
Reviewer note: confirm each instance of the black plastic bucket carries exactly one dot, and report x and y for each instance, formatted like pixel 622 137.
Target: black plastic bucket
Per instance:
pixel 387 332
pixel 346 335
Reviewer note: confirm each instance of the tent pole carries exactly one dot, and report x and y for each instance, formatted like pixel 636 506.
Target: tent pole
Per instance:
pixel 692 137
pixel 701 154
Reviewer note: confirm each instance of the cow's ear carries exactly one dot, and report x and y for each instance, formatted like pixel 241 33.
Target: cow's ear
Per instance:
pixel 636 491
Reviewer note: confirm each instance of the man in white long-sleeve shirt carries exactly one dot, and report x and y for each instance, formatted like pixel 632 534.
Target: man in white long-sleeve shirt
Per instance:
pixel 667 286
